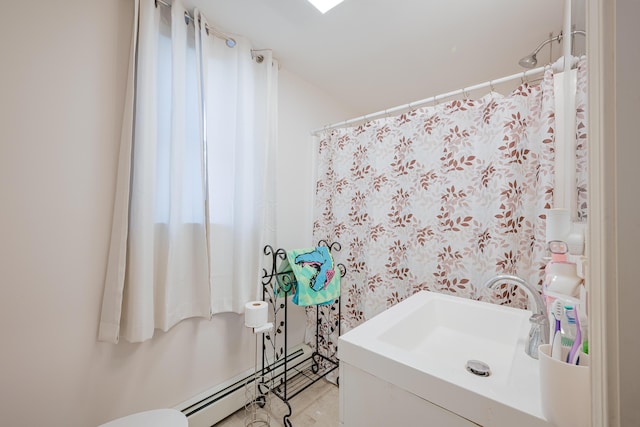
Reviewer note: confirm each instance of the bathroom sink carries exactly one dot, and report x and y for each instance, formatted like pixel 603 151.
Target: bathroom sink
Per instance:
pixel 423 345
pixel 452 331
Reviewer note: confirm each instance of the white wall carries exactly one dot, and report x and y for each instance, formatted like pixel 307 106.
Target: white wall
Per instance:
pixel 302 108
pixel 627 108
pixel 62 85
pixel 296 150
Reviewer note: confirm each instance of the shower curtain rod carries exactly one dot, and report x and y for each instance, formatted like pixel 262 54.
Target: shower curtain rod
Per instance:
pixel 556 66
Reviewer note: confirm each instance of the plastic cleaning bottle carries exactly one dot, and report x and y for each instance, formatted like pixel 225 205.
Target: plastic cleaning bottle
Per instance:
pixel 561 276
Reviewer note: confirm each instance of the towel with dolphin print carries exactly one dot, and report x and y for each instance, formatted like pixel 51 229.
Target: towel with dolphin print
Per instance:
pixel 311 275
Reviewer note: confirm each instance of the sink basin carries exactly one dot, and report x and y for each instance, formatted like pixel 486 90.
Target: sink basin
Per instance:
pixel 422 346
pixel 453 330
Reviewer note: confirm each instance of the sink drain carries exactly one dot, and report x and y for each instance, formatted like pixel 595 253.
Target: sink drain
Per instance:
pixel 478 368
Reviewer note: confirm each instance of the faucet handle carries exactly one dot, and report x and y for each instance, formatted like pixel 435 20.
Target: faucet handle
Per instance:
pixel 538 334
pixel 538 318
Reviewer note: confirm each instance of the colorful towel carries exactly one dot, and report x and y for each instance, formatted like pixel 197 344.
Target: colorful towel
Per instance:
pixel 314 274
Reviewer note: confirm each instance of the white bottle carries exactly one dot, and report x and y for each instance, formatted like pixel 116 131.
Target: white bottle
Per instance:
pixel 561 276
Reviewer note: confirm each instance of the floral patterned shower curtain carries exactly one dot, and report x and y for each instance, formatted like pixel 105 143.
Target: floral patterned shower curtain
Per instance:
pixel 439 198
pixel 581 140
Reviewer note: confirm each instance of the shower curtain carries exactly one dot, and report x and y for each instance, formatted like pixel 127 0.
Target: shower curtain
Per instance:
pixel 440 198
pixel 581 141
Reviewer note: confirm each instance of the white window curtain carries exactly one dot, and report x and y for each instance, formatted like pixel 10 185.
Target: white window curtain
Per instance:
pixel 194 191
pixel 240 98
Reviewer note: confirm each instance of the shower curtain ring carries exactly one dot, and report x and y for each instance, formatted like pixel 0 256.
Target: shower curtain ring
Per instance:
pixel 465 94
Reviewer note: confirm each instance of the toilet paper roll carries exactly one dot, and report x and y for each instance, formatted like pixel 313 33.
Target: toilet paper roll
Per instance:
pixel 558 224
pixel 575 242
pixel 575 239
pixel 255 314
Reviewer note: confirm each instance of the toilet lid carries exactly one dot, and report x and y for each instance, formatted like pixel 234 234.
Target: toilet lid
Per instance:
pixel 154 418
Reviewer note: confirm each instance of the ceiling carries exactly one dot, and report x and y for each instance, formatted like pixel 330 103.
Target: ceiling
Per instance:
pixel 375 54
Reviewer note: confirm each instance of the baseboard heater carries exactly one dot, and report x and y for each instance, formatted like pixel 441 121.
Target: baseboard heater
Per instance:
pixel 219 402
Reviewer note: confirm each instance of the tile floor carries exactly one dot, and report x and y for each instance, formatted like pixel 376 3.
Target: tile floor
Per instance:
pixel 316 406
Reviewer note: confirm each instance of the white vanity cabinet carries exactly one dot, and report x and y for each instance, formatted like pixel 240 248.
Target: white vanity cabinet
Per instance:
pixel 415 365
pixel 369 401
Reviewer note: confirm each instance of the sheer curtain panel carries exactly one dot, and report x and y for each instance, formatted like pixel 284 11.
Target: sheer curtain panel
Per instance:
pixel 167 253
pixel 241 99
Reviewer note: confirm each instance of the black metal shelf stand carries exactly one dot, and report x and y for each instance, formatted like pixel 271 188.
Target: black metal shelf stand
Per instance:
pixel 293 373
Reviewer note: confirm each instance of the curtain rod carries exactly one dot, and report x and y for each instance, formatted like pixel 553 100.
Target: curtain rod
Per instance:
pixel 230 41
pixel 556 66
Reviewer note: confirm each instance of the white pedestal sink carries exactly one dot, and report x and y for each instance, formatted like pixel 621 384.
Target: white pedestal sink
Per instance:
pixel 408 365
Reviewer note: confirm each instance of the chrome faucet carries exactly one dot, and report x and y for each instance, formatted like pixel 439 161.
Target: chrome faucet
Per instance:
pixel 539 332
